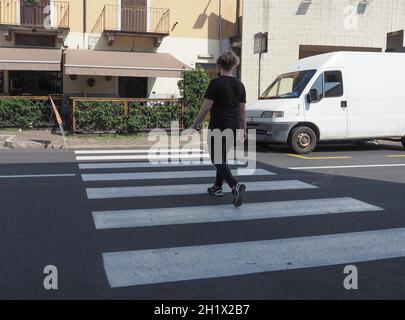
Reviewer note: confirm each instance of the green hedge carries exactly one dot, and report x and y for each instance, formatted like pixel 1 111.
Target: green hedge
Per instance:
pixel 100 116
pixel 109 116
pixel 24 113
pixel 153 116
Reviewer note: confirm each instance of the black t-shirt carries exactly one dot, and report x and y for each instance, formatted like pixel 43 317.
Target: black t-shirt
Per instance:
pixel 227 93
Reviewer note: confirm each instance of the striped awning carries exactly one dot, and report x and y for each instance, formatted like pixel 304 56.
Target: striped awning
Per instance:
pixel 124 64
pixel 27 59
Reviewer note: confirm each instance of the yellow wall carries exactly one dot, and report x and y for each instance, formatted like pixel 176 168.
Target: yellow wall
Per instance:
pixel 196 18
pixel 199 18
pixel 102 87
pixel 76 15
pixel 94 9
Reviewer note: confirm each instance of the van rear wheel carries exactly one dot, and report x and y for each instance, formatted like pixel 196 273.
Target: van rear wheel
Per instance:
pixel 303 140
pixel 403 142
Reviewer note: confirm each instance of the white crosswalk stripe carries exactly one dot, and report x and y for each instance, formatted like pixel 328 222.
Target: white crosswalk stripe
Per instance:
pixel 139 151
pixel 158 157
pixel 148 165
pixel 187 189
pixel 163 154
pixel 169 175
pixel 204 214
pixel 154 266
pixel 223 260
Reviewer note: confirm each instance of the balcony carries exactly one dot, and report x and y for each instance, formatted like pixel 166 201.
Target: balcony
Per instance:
pixel 133 21
pixel 45 17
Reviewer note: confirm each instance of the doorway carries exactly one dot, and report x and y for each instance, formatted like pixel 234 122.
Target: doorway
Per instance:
pixel 131 87
pixel 134 15
pixel 33 15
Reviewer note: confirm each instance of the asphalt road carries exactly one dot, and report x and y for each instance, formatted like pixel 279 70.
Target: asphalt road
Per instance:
pixel 154 235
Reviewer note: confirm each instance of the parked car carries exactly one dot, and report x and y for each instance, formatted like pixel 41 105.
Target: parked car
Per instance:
pixel 353 96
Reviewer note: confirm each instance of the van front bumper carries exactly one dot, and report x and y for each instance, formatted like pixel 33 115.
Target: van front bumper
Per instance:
pixel 272 133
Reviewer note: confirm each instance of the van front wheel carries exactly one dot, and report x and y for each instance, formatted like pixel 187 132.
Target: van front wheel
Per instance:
pixel 302 140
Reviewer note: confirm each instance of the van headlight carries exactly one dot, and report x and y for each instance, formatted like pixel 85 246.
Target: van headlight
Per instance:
pixel 273 114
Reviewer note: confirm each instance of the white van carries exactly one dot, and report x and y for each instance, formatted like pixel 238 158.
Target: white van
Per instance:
pixel 334 96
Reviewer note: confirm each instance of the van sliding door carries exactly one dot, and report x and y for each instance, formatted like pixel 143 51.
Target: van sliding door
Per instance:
pixel 373 105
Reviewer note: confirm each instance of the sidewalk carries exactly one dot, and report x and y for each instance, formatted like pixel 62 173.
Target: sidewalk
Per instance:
pixel 44 139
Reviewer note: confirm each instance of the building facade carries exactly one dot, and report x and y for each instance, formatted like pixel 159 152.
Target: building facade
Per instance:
pixel 301 28
pixel 110 48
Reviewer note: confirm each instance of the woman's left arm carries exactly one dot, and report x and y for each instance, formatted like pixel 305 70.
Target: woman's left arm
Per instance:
pixel 206 107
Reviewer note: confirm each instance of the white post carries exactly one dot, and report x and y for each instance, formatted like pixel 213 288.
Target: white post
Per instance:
pixel 18 12
pixel 53 14
pixel 119 13
pixel 148 15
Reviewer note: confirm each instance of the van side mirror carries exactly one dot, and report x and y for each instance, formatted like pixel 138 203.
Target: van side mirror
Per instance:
pixel 313 96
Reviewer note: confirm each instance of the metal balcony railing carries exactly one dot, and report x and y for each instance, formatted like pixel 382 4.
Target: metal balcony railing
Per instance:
pixel 49 15
pixel 135 20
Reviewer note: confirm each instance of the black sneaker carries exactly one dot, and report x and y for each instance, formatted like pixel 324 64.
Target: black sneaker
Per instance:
pixel 238 195
pixel 216 191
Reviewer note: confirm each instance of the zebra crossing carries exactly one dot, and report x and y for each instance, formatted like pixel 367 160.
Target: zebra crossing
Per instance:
pixel 140 180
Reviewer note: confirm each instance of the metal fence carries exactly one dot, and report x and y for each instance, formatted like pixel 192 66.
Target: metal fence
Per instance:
pixel 52 15
pixel 133 20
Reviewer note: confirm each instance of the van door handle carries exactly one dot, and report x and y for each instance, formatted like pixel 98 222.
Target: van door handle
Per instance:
pixel 343 104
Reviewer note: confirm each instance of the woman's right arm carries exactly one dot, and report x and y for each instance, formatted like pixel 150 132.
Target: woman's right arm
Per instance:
pixel 206 107
pixel 242 112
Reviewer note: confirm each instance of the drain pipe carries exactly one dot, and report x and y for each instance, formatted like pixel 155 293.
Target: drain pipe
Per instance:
pixel 220 27
pixel 84 22
pixel 238 24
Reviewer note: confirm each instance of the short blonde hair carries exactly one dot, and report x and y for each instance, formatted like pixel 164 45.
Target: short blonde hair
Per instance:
pixel 228 60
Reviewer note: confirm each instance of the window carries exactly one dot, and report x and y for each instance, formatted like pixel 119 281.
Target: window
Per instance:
pixel 211 68
pixel 133 87
pixel 35 83
pixel 329 85
pixel 333 84
pixel 288 86
pixel 1 81
pixel 35 41
pixel 318 85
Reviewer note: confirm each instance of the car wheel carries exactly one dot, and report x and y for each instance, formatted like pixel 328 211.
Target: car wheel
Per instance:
pixel 403 142
pixel 303 140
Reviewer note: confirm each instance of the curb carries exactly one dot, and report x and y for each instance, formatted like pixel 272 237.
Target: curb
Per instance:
pixel 9 143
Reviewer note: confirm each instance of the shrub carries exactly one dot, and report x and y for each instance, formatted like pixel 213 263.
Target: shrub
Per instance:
pixel 161 116
pixel 136 119
pixel 192 88
pixel 24 113
pixel 142 115
pixel 158 115
pixel 100 116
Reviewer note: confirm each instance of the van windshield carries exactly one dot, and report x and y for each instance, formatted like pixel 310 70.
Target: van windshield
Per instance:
pixel 289 86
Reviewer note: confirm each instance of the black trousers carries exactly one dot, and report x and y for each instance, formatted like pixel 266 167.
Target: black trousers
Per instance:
pixel 221 146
